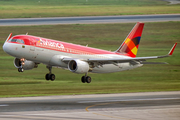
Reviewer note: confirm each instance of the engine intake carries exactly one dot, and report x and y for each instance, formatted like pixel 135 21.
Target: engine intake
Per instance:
pixel 78 66
pixel 27 65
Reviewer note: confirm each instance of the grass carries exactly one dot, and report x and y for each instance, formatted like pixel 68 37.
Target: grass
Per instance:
pixel 157 39
pixel 59 8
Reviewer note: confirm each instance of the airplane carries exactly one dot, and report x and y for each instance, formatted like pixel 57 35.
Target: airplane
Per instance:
pixel 29 51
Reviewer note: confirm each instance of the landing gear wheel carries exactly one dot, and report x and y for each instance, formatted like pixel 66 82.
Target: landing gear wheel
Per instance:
pixel 47 76
pixel 83 79
pixel 88 79
pixel 52 77
pixel 20 69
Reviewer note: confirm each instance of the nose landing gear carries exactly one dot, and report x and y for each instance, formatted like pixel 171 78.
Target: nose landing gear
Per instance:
pixel 21 63
pixel 50 76
pixel 20 70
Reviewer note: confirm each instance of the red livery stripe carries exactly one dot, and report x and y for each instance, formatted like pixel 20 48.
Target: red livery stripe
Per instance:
pixel 59 45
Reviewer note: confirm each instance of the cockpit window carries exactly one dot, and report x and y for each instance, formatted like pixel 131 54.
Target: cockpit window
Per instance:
pixel 17 40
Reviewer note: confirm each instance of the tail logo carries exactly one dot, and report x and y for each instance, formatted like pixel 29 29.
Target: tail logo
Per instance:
pixel 131 46
pixel 131 43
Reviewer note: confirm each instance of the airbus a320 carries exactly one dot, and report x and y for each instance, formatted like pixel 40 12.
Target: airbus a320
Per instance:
pixel 29 51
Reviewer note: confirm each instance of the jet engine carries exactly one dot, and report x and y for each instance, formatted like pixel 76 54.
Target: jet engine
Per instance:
pixel 26 64
pixel 78 66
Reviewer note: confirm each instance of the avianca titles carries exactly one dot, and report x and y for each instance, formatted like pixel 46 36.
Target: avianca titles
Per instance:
pixel 29 51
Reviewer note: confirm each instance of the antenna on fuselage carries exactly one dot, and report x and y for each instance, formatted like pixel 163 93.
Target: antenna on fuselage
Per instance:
pixel 27 33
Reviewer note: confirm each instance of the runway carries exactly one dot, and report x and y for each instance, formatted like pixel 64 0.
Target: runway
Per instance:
pixel 126 106
pixel 89 20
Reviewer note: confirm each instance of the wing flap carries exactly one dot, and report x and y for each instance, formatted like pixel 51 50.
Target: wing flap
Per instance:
pixel 153 62
pixel 121 60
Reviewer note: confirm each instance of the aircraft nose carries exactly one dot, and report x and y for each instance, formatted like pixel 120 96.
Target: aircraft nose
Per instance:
pixel 5 47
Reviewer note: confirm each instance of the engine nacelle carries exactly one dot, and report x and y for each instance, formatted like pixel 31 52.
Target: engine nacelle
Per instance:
pixel 27 64
pixel 78 66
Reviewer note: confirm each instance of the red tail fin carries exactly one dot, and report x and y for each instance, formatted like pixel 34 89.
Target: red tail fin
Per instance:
pixel 131 43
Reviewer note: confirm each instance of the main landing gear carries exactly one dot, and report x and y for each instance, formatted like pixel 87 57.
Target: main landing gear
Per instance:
pixel 85 79
pixel 50 76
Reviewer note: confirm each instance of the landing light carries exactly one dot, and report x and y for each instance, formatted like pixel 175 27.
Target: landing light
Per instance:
pixel 22 59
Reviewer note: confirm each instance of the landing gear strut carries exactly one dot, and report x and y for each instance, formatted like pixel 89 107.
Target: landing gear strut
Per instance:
pixel 85 79
pixel 50 76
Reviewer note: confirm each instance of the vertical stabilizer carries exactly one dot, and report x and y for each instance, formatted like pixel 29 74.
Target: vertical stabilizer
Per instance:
pixel 131 43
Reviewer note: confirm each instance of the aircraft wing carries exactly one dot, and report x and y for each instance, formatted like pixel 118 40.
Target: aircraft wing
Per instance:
pixel 118 60
pixel 136 59
pixel 123 60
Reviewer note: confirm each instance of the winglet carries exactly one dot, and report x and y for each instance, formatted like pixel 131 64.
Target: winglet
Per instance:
pixel 172 49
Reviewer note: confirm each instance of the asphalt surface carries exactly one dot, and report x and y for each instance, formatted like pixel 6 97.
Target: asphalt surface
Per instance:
pixel 89 20
pixel 129 106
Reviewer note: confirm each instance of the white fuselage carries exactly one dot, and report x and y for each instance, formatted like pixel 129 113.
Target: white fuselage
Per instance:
pixel 53 58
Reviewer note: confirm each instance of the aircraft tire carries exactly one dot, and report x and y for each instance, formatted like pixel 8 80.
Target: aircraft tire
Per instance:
pixel 52 77
pixel 47 76
pixel 83 79
pixel 88 79
pixel 20 69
